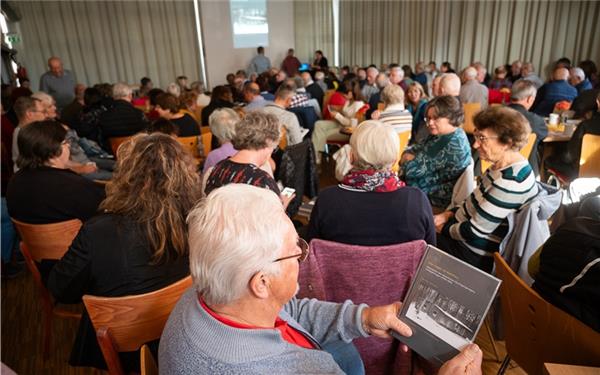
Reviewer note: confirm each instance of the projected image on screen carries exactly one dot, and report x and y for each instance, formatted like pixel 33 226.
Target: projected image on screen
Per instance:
pixel 249 21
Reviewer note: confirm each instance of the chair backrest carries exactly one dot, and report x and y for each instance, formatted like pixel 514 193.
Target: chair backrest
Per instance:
pixel 464 186
pixel 380 106
pixel 47 241
pixel 206 141
pixel 525 151
pixel 190 144
pixel 470 110
pixel 373 275
pixel 147 363
pixel 537 332
pixel 404 138
pixel 589 161
pixel 283 139
pixel 115 142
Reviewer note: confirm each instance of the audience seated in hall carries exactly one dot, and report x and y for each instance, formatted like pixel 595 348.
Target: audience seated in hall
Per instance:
pixel 138 244
pixel 371 206
pixel 71 113
pixel 435 164
pixel 370 88
pixel 473 230
pixel 394 114
pixel 471 90
pixel 288 120
pixel 122 119
pixel 553 92
pixel 522 96
pixel 44 190
pixel 213 327
pixel 222 126
pixel 168 107
pixel 566 268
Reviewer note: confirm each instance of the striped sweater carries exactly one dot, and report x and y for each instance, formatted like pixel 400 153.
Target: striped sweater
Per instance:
pixel 398 117
pixel 480 222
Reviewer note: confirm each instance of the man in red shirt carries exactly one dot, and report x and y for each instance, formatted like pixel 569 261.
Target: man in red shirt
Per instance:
pixel 290 64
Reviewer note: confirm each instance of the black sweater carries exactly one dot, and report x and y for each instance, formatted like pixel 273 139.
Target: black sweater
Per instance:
pixel 372 218
pixel 49 195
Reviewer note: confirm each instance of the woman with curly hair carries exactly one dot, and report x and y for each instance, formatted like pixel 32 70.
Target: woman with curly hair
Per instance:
pixel 139 243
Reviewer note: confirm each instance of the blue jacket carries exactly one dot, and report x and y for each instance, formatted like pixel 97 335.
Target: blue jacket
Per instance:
pixel 550 94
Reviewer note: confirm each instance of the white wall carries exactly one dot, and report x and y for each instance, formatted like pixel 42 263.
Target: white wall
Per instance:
pixel 222 58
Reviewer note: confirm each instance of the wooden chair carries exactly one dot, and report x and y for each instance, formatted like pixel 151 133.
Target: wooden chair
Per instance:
pixel 115 142
pixel 525 151
pixel 124 324
pixel 147 363
pixel 206 141
pixel 537 332
pixel 470 110
pixel 47 241
pixel 589 161
pixel 404 137
pixel 190 144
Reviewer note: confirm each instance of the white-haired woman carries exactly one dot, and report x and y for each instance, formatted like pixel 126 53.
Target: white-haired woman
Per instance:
pixel 372 207
pixel 394 113
pixel 222 126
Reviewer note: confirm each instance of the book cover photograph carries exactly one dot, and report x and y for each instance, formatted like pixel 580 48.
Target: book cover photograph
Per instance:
pixel 445 306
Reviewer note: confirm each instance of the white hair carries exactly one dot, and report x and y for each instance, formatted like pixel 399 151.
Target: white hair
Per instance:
pixel 392 94
pixel 121 90
pixel 578 72
pixel 374 145
pixel 222 124
pixel 235 232
pixel 319 75
pixel 450 84
pixel 174 89
pixel 43 97
pixel 470 73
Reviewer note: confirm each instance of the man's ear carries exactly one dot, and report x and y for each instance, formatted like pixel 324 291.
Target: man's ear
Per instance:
pixel 259 285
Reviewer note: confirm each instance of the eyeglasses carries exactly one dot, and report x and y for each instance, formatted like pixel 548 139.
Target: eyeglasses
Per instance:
pixel 482 138
pixel 305 250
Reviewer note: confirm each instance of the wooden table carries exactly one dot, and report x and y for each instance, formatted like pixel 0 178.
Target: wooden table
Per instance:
pixel 557 137
pixel 560 369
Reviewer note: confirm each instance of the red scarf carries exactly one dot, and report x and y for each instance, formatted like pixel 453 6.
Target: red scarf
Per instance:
pixel 372 180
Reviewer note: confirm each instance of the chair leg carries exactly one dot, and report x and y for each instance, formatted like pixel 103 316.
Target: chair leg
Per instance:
pixel 488 328
pixel 504 365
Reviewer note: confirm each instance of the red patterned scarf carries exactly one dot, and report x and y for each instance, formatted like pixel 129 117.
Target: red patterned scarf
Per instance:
pixel 372 180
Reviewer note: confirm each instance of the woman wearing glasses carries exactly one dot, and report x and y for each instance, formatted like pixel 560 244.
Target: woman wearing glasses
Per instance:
pixel 434 165
pixel 473 230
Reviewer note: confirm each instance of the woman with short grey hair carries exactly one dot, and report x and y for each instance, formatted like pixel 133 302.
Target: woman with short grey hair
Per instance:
pixel 372 207
pixel 222 126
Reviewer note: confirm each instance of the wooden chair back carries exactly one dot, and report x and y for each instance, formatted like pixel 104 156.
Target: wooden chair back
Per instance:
pixel 380 106
pixel 537 332
pixel 589 161
pixel 147 363
pixel 115 142
pixel 46 241
pixel 124 324
pixel 525 151
pixel 206 141
pixel 470 110
pixel 283 139
pixel 404 138
pixel 190 145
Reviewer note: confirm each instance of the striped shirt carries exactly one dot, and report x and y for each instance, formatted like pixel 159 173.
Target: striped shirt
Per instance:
pixel 398 117
pixel 480 222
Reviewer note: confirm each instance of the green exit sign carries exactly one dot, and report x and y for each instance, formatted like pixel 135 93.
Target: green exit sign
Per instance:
pixel 13 38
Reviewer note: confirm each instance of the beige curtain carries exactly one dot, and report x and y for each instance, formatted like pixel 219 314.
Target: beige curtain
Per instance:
pixel 313 29
pixel 110 41
pixel 493 32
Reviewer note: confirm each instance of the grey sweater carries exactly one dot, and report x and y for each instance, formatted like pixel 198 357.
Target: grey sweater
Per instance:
pixel 193 342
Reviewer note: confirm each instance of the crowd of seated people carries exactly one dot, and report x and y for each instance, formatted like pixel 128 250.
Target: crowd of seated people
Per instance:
pixel 134 237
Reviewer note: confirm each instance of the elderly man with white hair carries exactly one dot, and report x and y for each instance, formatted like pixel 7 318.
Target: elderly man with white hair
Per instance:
pixel 122 119
pixel 449 85
pixel 58 83
pixel 370 88
pixel 579 81
pixel 528 74
pixel 242 316
pixel 471 90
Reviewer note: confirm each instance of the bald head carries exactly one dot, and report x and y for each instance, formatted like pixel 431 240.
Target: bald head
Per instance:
pixel 450 84
pixel 55 65
pixel 560 74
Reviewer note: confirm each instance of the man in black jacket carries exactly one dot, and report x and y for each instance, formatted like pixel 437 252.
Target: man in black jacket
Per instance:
pixel 522 97
pixel 313 89
pixel 122 119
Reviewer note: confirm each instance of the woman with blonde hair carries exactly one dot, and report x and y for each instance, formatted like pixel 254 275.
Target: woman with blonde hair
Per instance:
pixel 139 243
pixel 416 102
pixel 372 207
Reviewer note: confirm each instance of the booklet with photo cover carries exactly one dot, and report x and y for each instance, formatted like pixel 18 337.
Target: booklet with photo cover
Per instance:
pixel 445 306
